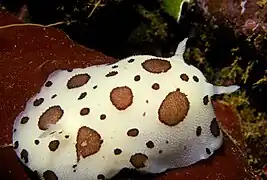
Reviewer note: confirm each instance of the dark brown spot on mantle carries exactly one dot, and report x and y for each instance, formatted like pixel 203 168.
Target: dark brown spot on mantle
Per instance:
pixel 101 177
pixel 16 144
pixel 36 141
pixel 137 78
pixel 131 60
pixel 155 86
pixel 195 78
pixel 138 160
pixel 51 116
pixel 53 145
pixel 48 84
pixel 38 102
pixel 50 175
pixel 198 131
pixel 24 156
pixel 103 116
pixel 184 77
pixel 84 111
pixel 156 65
pixel 150 144
pixel 24 120
pixel 78 80
pixel 117 151
pixel 174 108
pixel 206 100
pixel 88 142
pixel 133 132
pixel 112 73
pixel 82 95
pixel 121 97
pixel 214 128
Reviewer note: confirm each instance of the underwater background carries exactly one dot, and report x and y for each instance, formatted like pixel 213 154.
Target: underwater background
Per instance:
pixel 227 42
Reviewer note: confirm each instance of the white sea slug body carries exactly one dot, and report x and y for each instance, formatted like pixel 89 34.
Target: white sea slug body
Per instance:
pixel 144 112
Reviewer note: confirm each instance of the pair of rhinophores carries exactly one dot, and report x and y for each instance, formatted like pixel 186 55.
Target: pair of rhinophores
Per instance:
pixel 143 112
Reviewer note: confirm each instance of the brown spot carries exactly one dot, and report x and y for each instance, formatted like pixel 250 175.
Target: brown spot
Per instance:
pixel 24 155
pixel 147 101
pixel 67 136
pixel 156 65
pixel 88 142
pixel 95 87
pixel 115 66
pixel 137 78
pixel 36 141
pixel 133 132
pixel 74 166
pixel 208 151
pixel 150 144
pixel 131 60
pixel 144 114
pixel 53 96
pixel 101 177
pixel 206 100
pixel 16 144
pixel 51 116
pixel 173 108
pixel 155 86
pixel 24 120
pixel 103 116
pixel 160 151
pixel 82 96
pixel 50 175
pixel 138 160
pixel 112 73
pixel 121 97
pixel 195 78
pixel 117 151
pixel 198 131
pixel 184 77
pixel 84 111
pixel 52 133
pixel 214 128
pixel 38 102
pixel 53 145
pixel 78 80
pixel 167 142
pixel 48 84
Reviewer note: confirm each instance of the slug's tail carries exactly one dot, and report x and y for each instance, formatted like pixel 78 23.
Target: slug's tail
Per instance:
pixel 225 89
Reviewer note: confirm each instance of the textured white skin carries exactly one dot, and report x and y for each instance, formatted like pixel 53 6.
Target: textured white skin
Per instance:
pixel 113 129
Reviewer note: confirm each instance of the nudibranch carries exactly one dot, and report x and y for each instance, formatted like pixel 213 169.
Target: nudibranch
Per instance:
pixel 143 112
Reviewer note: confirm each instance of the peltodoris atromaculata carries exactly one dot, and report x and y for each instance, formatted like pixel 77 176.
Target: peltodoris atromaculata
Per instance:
pixel 144 112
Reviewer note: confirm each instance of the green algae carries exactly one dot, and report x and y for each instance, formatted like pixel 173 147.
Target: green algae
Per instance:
pixel 262 3
pixel 253 122
pixel 153 28
pixel 173 7
pixel 240 70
